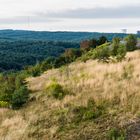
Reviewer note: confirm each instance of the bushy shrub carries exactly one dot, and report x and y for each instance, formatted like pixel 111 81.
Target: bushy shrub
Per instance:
pixel 34 70
pixel 115 45
pixel 101 52
pixel 102 40
pixel 55 90
pixel 131 42
pixel 121 52
pixel 19 97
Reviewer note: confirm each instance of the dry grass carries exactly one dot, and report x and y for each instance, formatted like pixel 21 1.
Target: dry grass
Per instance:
pixel 119 83
pixel 96 80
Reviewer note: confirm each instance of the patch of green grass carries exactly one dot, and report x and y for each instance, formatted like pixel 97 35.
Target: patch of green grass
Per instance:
pixel 116 134
pixel 56 90
pixel 4 104
pixel 90 112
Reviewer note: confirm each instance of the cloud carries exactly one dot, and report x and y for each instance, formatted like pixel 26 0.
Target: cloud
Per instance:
pixel 96 13
pixel 27 19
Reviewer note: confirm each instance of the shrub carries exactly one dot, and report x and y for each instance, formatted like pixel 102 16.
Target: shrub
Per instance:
pixel 115 134
pixel 102 52
pixel 34 70
pixel 121 52
pixel 56 90
pixel 115 46
pixel 19 97
pixel 102 40
pixel 131 42
pixel 85 45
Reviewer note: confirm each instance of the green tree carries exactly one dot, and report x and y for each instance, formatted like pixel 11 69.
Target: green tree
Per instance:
pixel 102 40
pixel 115 45
pixel 121 52
pixel 93 43
pixel 19 97
pixel 131 42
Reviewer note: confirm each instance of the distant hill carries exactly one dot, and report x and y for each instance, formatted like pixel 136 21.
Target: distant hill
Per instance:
pixel 19 48
pixel 53 36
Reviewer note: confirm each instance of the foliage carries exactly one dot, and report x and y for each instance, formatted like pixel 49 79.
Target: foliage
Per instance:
pixel 15 55
pixel 54 36
pixel 131 42
pixel 102 40
pixel 13 91
pixel 56 90
pixel 86 45
pixel 19 97
pixel 4 104
pixel 105 51
pixel 115 45
pixel 121 52
pixel 102 52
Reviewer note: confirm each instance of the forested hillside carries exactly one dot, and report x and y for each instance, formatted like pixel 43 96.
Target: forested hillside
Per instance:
pixel 86 93
pixel 54 36
pixel 23 48
pixel 15 55
pixel 93 98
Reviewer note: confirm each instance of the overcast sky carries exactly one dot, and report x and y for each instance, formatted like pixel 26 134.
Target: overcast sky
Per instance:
pixel 70 15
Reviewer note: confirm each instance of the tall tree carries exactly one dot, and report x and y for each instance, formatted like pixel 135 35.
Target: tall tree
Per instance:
pixel 102 40
pixel 115 45
pixel 131 42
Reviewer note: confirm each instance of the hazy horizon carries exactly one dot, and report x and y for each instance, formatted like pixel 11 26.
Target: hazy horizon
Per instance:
pixel 70 15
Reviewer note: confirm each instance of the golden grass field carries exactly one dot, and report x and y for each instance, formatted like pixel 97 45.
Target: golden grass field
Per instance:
pixel 117 83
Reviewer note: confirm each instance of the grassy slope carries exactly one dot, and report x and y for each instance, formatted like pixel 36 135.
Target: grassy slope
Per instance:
pixel 47 118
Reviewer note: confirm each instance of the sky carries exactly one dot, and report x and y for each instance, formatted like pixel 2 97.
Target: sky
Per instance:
pixel 71 15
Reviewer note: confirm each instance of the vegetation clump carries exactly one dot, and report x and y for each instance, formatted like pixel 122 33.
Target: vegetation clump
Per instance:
pixel 56 90
pixel 13 91
pixel 116 134
pixel 128 71
pixel 131 42
pixel 90 112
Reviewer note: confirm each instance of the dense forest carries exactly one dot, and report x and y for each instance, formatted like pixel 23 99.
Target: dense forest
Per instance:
pixel 15 55
pixel 23 48
pixel 54 36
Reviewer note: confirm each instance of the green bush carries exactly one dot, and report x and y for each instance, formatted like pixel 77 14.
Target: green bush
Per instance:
pixel 102 52
pixel 121 52
pixel 115 134
pixel 131 42
pixel 115 45
pixel 34 70
pixel 19 97
pixel 56 90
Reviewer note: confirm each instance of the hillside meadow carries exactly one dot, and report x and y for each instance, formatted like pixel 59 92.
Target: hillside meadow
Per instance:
pixel 98 101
